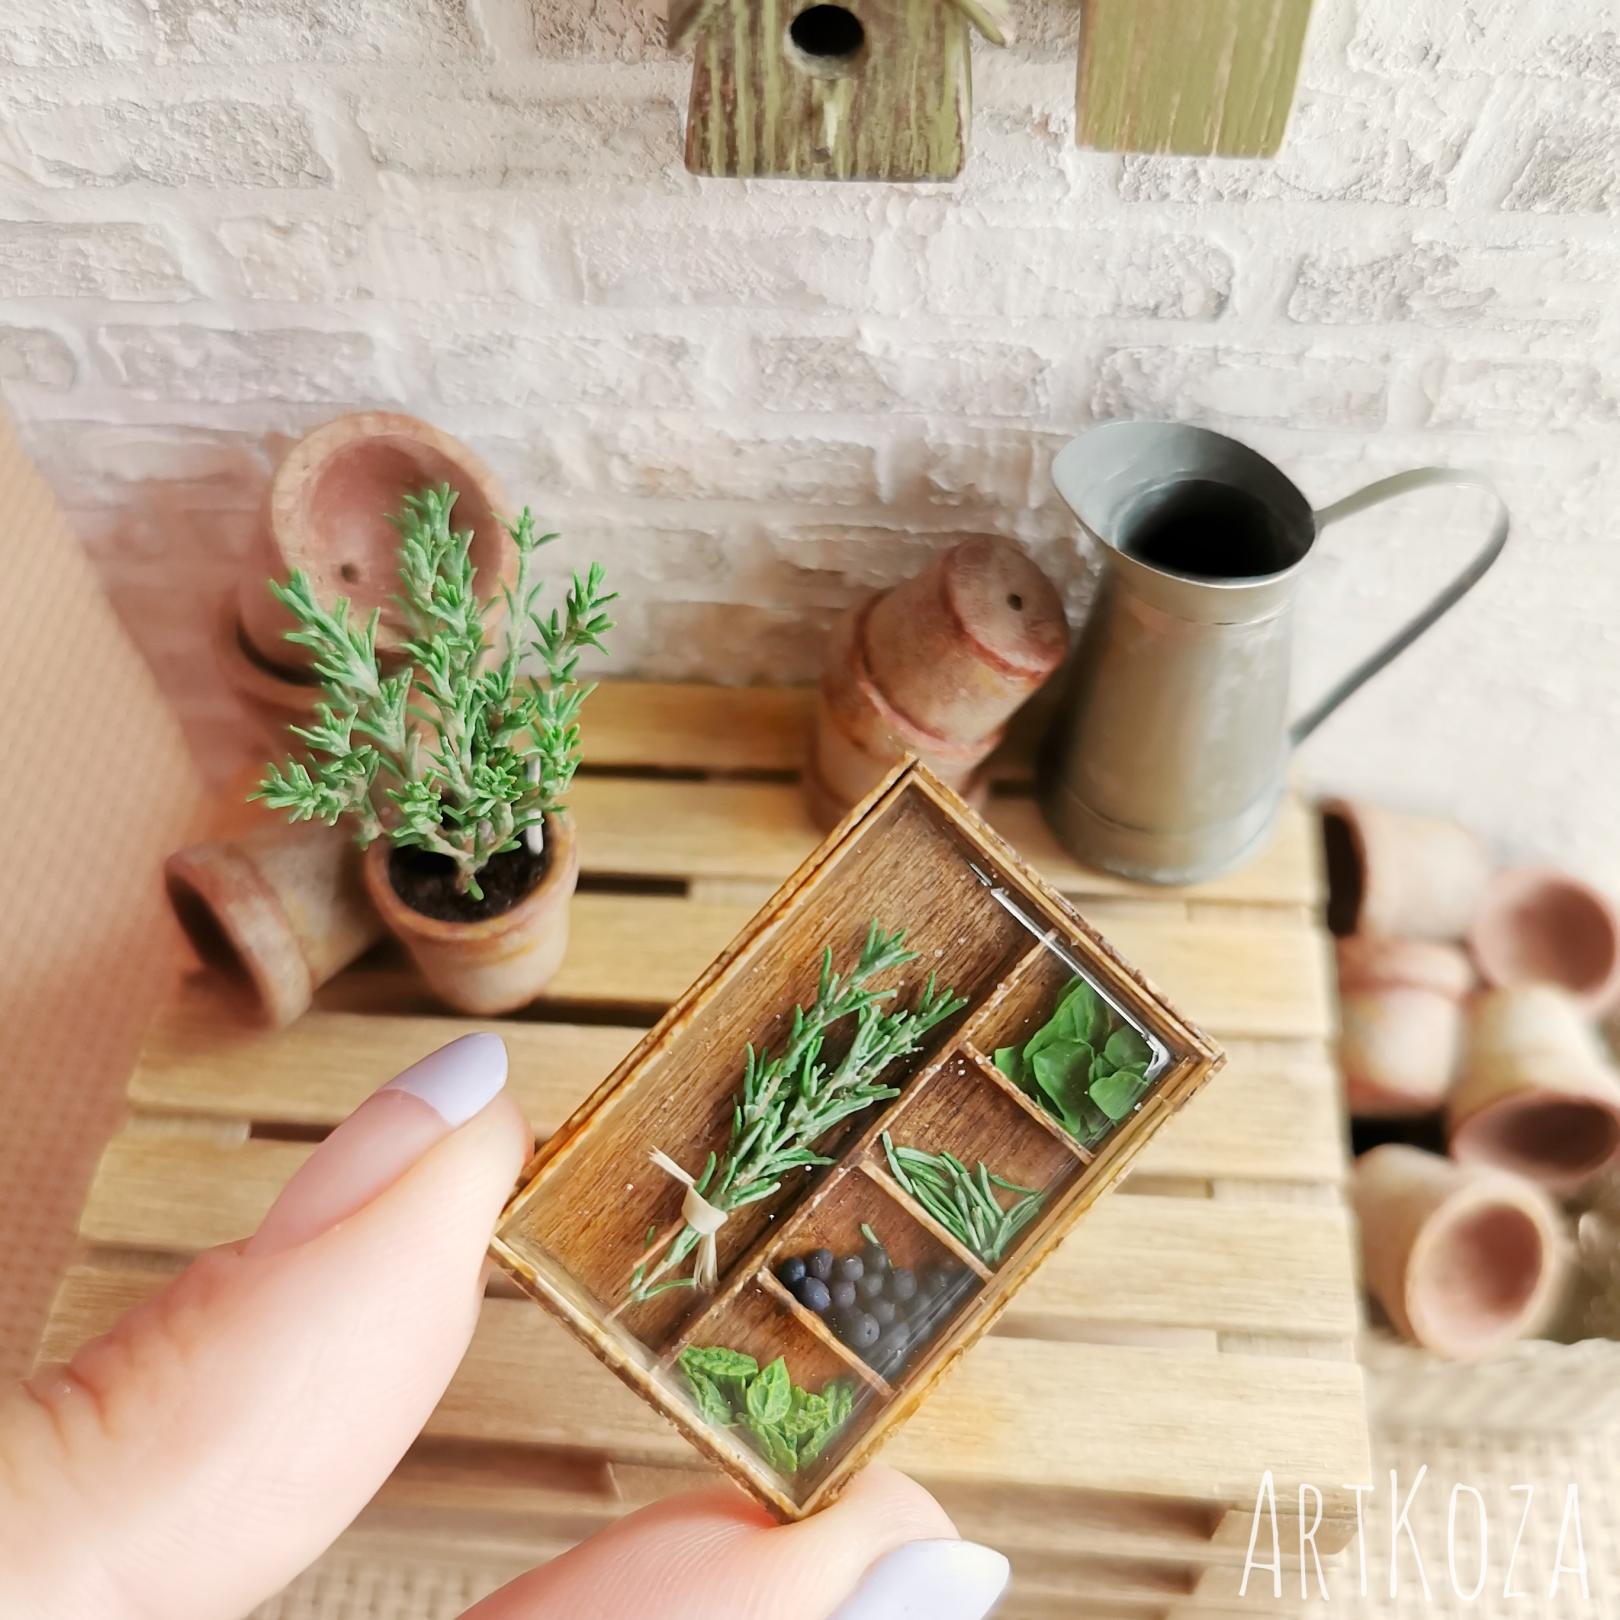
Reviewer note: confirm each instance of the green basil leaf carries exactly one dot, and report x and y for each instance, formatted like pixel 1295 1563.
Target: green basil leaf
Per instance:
pixel 1061 1071
pixel 778 1451
pixel 770 1395
pixel 1009 1059
pixel 807 1415
pixel 716 1361
pixel 1116 1094
pixel 711 1403
pixel 1126 1049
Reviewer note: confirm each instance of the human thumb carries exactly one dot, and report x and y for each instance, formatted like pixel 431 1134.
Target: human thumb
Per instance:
pixel 212 1444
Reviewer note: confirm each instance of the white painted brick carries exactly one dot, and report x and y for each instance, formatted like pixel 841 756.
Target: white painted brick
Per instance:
pixel 444 257
pixel 214 364
pixel 1532 287
pixel 505 141
pixel 1385 144
pixel 51 33
pixel 697 461
pixel 631 266
pixel 107 463
pixel 949 466
pixel 1218 386
pixel 627 368
pixel 1509 395
pixel 597 30
pixel 1567 39
pixel 734 643
pixel 208 143
pixel 42 260
pixel 834 565
pixel 974 378
pixel 1573 167
pixel 29 354
pixel 1060 274
pixel 244 31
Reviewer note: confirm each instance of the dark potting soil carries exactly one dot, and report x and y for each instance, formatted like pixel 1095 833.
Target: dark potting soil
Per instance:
pixel 427 883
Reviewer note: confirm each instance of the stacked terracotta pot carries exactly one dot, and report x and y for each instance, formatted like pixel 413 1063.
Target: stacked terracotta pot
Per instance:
pixel 1469 996
pixel 326 511
pixel 283 908
pixel 934 667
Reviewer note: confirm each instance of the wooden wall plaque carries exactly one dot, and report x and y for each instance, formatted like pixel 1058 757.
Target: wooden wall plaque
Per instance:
pixel 594 1209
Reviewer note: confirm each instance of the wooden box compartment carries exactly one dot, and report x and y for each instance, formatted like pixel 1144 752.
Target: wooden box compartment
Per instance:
pixel 599 1232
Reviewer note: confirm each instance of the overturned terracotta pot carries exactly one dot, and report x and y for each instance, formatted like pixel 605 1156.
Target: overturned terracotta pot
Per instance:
pixel 1463 1259
pixel 277 910
pixel 1537 926
pixel 496 964
pixel 958 648
pixel 933 668
pixel 327 512
pixel 1536 1093
pixel 1400 1023
pixel 1415 877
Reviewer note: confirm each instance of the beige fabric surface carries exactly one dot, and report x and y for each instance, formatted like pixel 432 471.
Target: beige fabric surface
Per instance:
pixel 98 788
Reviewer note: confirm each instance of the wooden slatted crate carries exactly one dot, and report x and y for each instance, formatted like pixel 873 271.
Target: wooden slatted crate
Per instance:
pixel 1111 1432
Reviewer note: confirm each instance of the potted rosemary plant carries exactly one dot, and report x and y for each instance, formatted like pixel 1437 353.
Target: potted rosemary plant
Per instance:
pixel 452 767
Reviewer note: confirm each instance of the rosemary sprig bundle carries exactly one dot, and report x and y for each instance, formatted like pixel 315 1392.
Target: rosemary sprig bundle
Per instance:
pixel 790 1101
pixel 964 1201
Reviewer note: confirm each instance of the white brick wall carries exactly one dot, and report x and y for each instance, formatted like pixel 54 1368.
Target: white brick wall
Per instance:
pixel 220 222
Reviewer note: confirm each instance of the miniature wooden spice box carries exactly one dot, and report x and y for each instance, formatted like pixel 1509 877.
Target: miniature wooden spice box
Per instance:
pixel 827 1170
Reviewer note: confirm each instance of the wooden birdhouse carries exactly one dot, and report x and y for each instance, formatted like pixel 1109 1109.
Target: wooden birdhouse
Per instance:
pixel 863 90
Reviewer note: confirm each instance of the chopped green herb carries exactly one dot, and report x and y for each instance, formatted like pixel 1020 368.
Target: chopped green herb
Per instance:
pixel 964 1201
pixel 1077 1068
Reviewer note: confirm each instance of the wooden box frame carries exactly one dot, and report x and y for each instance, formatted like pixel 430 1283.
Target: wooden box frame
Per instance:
pixel 912 818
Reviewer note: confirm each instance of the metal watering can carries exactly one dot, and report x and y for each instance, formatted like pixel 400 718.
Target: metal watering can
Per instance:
pixel 1167 759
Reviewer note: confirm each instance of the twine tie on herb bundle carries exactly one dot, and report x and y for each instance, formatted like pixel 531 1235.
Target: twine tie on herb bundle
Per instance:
pixel 702 1217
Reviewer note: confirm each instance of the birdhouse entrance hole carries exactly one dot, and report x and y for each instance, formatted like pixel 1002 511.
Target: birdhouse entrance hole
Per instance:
pixel 829 36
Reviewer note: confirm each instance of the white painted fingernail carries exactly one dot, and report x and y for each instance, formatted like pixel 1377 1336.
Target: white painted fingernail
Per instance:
pixel 929 1580
pixel 458 1080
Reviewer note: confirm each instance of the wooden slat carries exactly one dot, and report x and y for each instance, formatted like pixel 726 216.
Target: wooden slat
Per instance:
pixel 671 726
pixel 761 831
pixel 632 953
pixel 1153 1261
pixel 1173 1423
pixel 200 1061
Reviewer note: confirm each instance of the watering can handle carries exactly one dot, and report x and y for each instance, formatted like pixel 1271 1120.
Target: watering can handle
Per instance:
pixel 1383 490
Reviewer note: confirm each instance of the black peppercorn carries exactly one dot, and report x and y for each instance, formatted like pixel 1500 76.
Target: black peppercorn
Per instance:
pixel 791 1272
pixel 849 1269
pixel 862 1330
pixel 813 1294
pixel 902 1284
pixel 869 1287
pixel 874 1257
pixel 843 1295
pixel 820 1264
pixel 884 1310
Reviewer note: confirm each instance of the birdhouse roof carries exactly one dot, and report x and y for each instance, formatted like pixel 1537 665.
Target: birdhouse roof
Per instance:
pixel 992 18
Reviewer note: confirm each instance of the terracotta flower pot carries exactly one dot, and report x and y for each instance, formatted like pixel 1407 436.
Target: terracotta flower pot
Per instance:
pixel 279 910
pixel 1536 1093
pixel 274 696
pixel 1537 926
pixel 1463 1259
pixel 858 735
pixel 327 512
pixel 1419 877
pixel 958 648
pixel 496 964
pixel 1400 1023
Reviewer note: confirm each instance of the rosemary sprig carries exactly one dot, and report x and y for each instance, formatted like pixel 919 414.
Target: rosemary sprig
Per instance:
pixel 790 1101
pixel 964 1201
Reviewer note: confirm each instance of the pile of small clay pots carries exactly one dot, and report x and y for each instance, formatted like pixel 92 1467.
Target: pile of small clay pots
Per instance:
pixel 881 1311
pixel 1469 1008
